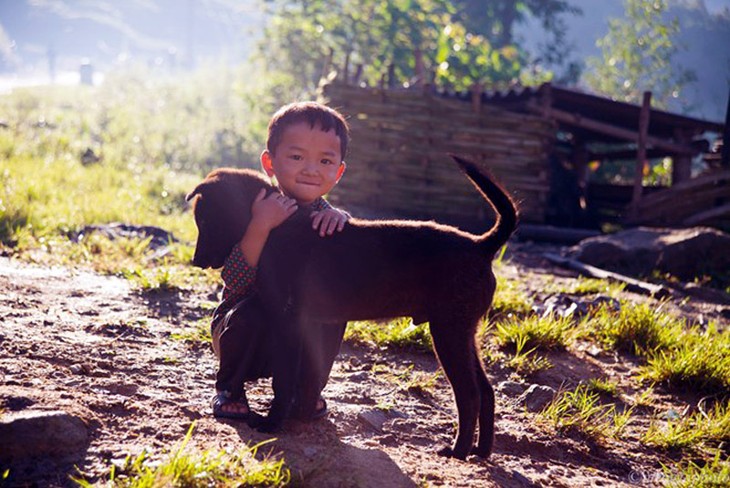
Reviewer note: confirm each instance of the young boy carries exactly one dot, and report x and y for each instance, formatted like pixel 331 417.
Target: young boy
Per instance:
pixel 305 151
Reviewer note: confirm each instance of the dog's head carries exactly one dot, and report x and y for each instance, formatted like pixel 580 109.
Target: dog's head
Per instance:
pixel 222 209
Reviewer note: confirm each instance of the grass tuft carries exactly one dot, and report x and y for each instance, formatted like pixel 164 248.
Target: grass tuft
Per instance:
pixel 638 329
pixel 399 334
pixel 544 333
pixel 715 473
pixel 701 430
pixel 183 468
pixel 699 361
pixel 580 409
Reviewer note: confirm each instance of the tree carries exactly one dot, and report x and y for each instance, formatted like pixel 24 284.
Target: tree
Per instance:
pixel 433 38
pixel 496 21
pixel 637 55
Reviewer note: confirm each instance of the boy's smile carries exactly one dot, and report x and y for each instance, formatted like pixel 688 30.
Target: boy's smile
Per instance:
pixel 307 162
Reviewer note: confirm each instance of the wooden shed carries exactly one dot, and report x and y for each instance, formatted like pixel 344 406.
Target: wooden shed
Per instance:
pixel 398 164
pixel 537 141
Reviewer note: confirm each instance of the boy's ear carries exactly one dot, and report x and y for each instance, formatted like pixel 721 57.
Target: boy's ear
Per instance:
pixel 341 170
pixel 266 163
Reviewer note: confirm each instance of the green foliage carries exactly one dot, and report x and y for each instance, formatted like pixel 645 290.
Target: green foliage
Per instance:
pixel 637 55
pixel 580 409
pixel 677 354
pixel 545 333
pixel 510 298
pixel 526 362
pixel 133 121
pixel 714 473
pixel 701 430
pixel 436 38
pixel 400 333
pixel 587 286
pixel 464 59
pixel 699 360
pixel 638 329
pixel 199 469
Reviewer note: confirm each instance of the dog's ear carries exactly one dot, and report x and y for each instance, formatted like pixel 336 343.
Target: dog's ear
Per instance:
pixel 192 194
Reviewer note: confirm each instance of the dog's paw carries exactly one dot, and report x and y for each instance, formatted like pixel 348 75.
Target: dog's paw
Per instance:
pixel 482 452
pixel 255 420
pixel 268 426
pixel 450 453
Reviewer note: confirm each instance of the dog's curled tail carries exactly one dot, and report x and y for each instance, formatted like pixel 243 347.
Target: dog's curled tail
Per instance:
pixel 500 200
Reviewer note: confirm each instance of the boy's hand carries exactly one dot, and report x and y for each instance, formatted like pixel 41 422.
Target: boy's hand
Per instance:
pixel 270 212
pixel 329 220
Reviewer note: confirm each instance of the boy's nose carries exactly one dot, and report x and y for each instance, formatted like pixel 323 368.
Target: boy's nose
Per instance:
pixel 309 167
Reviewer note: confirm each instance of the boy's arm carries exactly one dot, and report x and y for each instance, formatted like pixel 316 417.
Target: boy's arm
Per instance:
pixel 239 270
pixel 327 218
pixel 266 214
pixel 237 274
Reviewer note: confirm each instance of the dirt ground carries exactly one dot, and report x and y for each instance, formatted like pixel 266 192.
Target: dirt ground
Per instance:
pixel 91 346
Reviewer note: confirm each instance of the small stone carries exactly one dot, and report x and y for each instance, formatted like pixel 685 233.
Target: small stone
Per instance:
pixel 511 389
pixel 373 418
pixel 361 376
pixel 537 397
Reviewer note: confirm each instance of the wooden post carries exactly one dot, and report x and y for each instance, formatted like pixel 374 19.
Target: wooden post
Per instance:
pixel 420 70
pixel 327 65
pixel 644 116
pixel 476 97
pixel 346 68
pixel 546 99
pixel 725 158
pixel 682 163
pixel 358 74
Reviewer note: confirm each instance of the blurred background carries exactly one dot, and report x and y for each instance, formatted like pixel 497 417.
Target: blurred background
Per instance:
pixel 61 41
pixel 111 111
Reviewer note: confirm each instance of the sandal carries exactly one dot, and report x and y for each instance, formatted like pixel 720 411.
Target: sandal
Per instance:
pixel 221 399
pixel 321 412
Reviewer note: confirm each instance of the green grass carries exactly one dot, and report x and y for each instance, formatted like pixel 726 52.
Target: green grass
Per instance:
pixel 698 360
pixel 603 387
pixel 701 430
pixel 637 328
pixel 715 473
pixel 544 333
pixel 509 298
pixel 581 410
pixel 199 333
pixel 586 286
pixel 186 468
pixel 400 333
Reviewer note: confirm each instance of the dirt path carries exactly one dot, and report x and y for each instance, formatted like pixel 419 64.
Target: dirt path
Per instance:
pixel 90 346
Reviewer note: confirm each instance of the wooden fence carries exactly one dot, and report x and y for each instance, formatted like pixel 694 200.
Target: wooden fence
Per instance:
pixel 398 164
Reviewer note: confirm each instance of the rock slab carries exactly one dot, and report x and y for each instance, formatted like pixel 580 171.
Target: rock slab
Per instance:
pixel 684 253
pixel 34 434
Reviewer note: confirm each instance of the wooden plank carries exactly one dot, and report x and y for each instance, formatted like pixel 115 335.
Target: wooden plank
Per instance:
pixel 723 211
pixel 632 284
pixel 611 130
pixel 641 152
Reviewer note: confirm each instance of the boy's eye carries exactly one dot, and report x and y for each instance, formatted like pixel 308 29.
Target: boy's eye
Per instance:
pixel 327 161
pixel 296 157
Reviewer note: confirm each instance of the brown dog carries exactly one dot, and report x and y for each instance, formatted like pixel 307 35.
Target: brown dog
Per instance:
pixel 371 270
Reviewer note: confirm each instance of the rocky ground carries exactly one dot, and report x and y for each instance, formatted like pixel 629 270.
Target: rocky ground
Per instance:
pixel 106 359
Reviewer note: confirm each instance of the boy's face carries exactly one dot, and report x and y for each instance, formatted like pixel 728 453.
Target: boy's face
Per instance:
pixel 307 162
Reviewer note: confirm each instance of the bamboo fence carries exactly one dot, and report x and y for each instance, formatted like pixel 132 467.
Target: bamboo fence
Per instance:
pixel 398 164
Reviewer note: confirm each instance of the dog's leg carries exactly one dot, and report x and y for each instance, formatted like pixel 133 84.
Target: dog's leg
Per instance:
pixel 486 410
pixel 285 365
pixel 455 348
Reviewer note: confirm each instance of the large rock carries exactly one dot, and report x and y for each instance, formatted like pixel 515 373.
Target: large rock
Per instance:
pixel 685 253
pixel 35 434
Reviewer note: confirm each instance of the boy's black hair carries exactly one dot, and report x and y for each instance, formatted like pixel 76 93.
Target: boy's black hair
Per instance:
pixel 313 113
